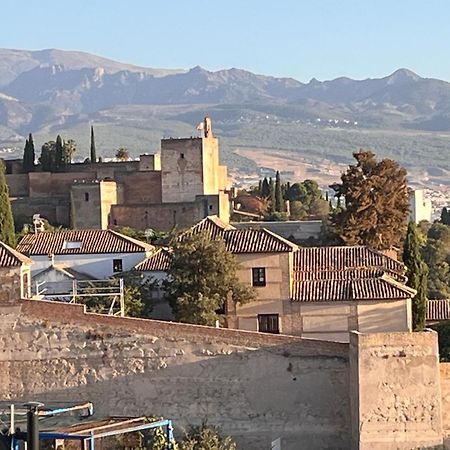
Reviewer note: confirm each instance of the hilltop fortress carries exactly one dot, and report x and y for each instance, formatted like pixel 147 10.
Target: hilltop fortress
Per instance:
pixel 178 187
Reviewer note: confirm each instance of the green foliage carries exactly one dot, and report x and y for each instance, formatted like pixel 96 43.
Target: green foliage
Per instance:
pixel 149 236
pixel 206 437
pixel 376 203
pixel 279 203
pixel 272 199
pixel 265 188
pixel 201 276
pixel 123 154
pixel 445 216
pixel 69 148
pixel 28 155
pixel 443 331
pixel 276 216
pixel 7 234
pixel 93 152
pixel 417 273
pixel 437 257
pixel 48 156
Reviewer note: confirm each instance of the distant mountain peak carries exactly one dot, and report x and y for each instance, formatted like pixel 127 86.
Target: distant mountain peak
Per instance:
pixel 403 75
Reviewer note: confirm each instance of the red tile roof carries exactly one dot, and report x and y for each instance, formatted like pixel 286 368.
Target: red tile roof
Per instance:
pixel 313 259
pixel 438 310
pixel 12 258
pixel 92 242
pixel 158 262
pixel 243 240
pixel 381 288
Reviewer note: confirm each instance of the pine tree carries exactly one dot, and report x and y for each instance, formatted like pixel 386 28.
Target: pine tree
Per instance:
pixel 376 203
pixel 417 273
pixel 278 193
pixel 93 152
pixel 6 218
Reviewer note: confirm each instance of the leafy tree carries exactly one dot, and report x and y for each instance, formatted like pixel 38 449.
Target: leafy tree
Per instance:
pixel 29 155
pixel 278 194
pixel 48 156
pixel 69 149
pixel 206 437
pixel 272 200
pixel 93 151
pixel 123 154
pixel 445 216
pixel 437 257
pixel 201 277
pixel 376 203
pixel 6 218
pixel 417 273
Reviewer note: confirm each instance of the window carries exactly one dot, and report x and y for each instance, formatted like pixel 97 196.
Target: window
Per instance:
pixel 268 323
pixel 182 155
pixel 69 245
pixel 117 265
pixel 210 207
pixel 258 276
pixel 86 196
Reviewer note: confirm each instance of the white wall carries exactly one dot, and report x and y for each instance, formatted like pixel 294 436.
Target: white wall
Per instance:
pixel 98 266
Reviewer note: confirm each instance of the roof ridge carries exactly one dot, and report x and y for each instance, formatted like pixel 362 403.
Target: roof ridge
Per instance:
pixel 388 279
pixel 146 245
pixel 16 255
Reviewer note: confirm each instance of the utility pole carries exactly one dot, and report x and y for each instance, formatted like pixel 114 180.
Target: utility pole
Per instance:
pixel 33 425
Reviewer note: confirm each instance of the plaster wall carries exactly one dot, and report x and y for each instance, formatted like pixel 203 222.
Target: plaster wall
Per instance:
pixel 98 266
pixel 257 387
pixel 395 391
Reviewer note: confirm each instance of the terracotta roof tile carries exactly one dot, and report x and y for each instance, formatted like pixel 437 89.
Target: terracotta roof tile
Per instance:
pixel 12 258
pixel 341 258
pixel 158 262
pixel 381 288
pixel 438 310
pixel 89 241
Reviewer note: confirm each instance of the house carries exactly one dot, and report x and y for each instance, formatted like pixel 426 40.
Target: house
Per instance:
pixel 14 275
pixel 437 311
pixel 319 292
pixel 98 254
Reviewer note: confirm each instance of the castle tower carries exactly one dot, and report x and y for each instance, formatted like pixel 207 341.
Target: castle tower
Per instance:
pixel 190 166
pixel 91 203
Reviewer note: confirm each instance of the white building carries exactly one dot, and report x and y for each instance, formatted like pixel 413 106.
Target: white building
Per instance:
pixel 420 207
pixel 99 254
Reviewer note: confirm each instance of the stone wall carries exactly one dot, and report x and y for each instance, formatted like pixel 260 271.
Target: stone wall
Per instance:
pixel 256 387
pixel 445 392
pixel 395 391
pixel 10 284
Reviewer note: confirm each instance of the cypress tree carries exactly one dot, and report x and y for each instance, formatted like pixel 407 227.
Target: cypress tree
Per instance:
pixel 417 273
pixel 60 155
pixel 6 218
pixel 28 155
pixel 278 193
pixel 259 187
pixel 272 199
pixel 265 189
pixel 93 153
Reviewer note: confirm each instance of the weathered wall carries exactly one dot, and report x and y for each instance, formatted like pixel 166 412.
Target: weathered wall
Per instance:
pixel 445 393
pixel 257 387
pixel 10 284
pixel 395 391
pixel 140 187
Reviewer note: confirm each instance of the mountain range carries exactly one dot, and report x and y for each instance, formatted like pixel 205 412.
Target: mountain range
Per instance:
pixel 47 91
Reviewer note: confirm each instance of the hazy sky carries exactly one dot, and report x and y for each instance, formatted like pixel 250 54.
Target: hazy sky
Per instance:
pixel 302 39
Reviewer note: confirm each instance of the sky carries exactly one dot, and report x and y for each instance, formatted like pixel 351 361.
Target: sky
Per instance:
pixel 293 38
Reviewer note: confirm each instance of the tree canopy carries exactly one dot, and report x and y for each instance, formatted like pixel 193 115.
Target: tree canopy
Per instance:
pixel 203 274
pixel 28 155
pixel 6 218
pixel 376 203
pixel 417 273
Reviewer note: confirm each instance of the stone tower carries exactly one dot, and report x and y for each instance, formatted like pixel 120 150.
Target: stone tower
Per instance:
pixel 190 166
pixel 91 203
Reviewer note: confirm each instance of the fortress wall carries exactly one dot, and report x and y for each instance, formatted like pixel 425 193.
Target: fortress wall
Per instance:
pixel 256 387
pixel 18 185
pixel 140 187
pixel 395 393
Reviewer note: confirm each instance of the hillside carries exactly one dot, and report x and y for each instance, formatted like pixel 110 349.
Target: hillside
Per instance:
pixel 52 91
